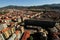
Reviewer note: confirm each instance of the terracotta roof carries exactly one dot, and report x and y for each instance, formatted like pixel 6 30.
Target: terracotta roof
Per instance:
pixel 17 32
pixel 5 29
pixel 11 23
pixel 7 18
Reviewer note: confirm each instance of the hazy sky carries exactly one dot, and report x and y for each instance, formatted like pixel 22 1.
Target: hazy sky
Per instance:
pixel 27 2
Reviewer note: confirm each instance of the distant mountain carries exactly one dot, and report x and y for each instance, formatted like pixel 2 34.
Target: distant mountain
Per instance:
pixel 12 7
pixel 50 6
pixel 47 6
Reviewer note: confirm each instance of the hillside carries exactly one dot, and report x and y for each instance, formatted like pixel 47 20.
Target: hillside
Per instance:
pixel 47 6
pixel 50 6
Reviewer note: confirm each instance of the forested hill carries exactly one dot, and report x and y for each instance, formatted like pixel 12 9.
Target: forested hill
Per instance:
pixel 47 6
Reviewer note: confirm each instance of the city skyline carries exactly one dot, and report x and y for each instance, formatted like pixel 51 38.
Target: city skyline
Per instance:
pixel 27 2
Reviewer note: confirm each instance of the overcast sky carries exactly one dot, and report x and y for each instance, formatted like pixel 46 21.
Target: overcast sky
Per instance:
pixel 27 2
